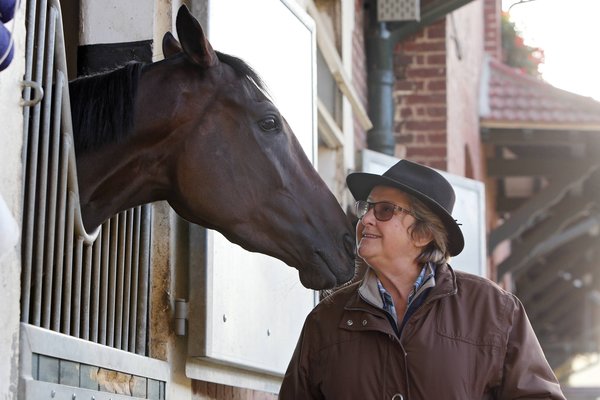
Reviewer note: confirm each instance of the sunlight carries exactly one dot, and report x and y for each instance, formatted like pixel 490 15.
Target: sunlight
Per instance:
pixel 588 368
pixel 567 32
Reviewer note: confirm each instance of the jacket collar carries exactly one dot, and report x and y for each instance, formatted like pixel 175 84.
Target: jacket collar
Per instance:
pixel 445 279
pixel 369 290
pixel 445 283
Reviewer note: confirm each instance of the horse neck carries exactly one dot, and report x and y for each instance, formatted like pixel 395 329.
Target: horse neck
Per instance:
pixel 115 178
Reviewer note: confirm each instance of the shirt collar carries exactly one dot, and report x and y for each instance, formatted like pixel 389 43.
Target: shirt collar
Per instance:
pixel 373 291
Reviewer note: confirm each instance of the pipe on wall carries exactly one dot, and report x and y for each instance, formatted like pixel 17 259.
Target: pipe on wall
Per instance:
pixel 380 40
pixel 380 64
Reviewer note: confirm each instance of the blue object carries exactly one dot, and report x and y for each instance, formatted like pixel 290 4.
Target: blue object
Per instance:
pixel 7 10
pixel 7 49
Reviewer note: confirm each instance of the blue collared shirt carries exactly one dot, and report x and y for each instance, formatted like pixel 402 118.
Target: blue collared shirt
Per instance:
pixel 424 281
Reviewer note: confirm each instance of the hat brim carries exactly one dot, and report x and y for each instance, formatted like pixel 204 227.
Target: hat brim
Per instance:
pixel 361 184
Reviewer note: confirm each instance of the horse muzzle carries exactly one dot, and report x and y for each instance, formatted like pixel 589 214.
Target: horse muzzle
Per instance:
pixel 329 268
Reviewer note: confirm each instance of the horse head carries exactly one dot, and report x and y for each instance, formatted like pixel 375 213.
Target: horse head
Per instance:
pixel 207 138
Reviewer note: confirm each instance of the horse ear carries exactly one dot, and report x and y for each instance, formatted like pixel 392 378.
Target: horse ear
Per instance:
pixel 193 41
pixel 170 45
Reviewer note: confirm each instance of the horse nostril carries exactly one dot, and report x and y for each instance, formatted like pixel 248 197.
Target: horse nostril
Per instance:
pixel 349 245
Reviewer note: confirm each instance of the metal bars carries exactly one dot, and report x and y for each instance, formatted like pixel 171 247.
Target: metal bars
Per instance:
pixel 90 286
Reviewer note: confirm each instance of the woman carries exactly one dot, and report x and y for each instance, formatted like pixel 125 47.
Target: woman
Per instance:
pixel 414 328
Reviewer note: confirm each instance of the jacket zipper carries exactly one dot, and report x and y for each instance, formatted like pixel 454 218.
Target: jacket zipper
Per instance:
pixel 427 301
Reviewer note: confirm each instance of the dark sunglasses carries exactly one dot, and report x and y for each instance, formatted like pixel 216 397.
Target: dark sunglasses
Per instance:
pixel 383 210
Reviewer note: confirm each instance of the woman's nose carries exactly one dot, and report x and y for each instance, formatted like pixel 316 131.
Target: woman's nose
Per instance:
pixel 368 218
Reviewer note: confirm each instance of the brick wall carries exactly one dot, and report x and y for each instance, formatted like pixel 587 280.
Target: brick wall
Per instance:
pixel 420 95
pixel 465 57
pixel 491 14
pixel 209 391
pixel 359 69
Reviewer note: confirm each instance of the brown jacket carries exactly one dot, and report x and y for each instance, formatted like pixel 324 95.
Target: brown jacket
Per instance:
pixel 469 340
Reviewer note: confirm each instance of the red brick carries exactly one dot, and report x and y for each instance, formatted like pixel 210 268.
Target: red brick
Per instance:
pixel 437 30
pixel 406 113
pixel 437 137
pixel 436 85
pixel 439 164
pixel 426 125
pixel 359 71
pixel 426 72
pixel 398 126
pixel 426 151
pixel 404 85
pixel 400 72
pixel 491 12
pixel 436 111
pixel 405 139
pixel 402 57
pixel 426 99
pixel 425 47
pixel 358 6
pixel 436 59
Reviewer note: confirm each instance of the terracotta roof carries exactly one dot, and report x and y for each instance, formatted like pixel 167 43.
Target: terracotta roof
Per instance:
pixel 512 99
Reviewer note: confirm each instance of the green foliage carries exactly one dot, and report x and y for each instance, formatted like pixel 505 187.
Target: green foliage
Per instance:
pixel 516 53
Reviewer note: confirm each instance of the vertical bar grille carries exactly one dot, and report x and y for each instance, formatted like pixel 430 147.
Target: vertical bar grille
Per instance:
pixel 93 287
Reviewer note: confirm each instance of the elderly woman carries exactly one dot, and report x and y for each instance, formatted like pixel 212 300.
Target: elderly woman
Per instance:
pixel 414 328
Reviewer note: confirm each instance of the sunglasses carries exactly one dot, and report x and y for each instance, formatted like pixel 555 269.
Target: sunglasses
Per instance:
pixel 382 210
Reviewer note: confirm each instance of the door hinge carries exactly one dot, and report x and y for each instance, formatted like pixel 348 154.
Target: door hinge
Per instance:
pixel 181 316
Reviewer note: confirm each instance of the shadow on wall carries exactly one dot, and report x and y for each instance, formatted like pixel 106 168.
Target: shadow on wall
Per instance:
pixel 9 229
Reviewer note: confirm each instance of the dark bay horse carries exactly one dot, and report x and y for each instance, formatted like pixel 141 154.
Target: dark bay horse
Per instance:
pixel 197 130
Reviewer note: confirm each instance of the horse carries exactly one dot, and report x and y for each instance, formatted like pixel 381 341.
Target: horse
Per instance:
pixel 198 130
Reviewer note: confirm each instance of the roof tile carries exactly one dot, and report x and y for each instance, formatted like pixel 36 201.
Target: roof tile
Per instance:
pixel 514 97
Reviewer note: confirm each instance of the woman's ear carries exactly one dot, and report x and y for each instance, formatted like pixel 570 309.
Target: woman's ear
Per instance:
pixel 423 242
pixel 421 237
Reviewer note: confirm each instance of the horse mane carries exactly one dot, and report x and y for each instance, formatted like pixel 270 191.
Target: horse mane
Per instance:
pixel 242 69
pixel 102 106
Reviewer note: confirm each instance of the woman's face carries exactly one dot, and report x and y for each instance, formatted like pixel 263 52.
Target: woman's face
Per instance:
pixel 383 243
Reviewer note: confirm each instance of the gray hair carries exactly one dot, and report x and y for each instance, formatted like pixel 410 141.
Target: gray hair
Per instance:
pixel 428 224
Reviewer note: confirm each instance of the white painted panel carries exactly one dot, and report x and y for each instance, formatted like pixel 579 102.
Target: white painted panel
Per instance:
pixel 277 39
pixel 114 21
pixel 255 304
pixel 469 210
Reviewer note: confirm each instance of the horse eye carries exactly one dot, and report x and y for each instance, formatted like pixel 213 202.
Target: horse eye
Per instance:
pixel 269 124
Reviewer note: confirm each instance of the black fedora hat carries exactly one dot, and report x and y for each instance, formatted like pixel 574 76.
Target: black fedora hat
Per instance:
pixel 420 181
